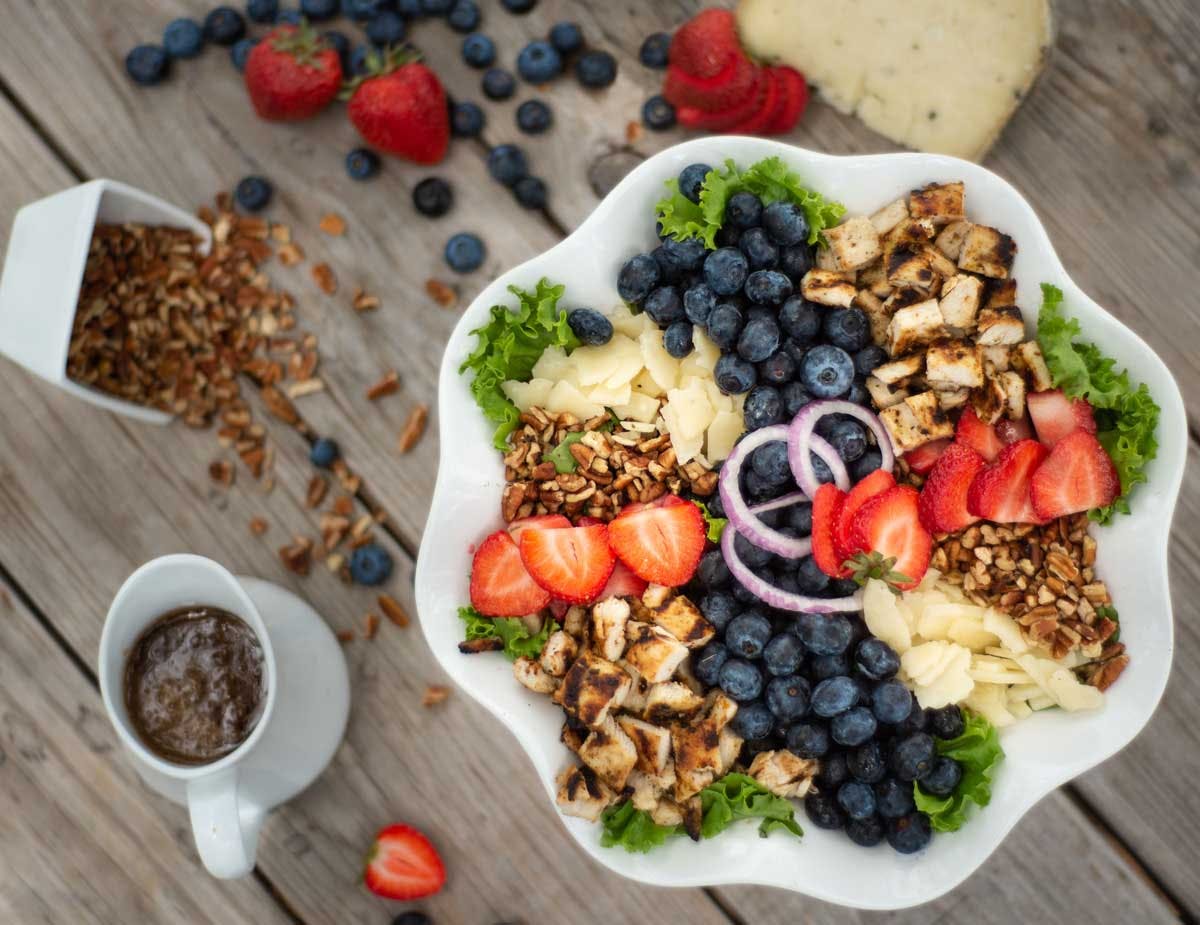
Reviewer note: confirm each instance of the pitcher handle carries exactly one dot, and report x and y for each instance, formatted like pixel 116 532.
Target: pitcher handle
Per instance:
pixel 226 832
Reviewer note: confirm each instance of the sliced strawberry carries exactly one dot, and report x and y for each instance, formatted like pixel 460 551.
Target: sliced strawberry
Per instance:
pixel 500 585
pixel 1012 431
pixel 921 459
pixel 755 124
pixel 622 583
pixel 403 865
pixel 719 121
pixel 1000 491
pixel 703 44
pixel 517 527
pixel 586 521
pixel 890 525
pixel 943 504
pixel 793 100
pixel 1078 475
pixel 738 81
pixel 826 512
pixel 980 437
pixel 1054 415
pixel 874 484
pixel 662 542
pixel 572 563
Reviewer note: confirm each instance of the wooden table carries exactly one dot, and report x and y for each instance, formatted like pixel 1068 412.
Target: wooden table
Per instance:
pixel 1106 148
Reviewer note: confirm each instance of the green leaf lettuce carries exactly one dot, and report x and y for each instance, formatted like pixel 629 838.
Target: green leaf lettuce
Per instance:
pixel 978 751
pixel 512 631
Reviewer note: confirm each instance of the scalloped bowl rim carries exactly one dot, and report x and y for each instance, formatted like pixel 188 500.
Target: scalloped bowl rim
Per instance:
pixel 1044 752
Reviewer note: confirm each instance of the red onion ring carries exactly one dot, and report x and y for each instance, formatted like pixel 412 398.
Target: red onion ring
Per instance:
pixel 801 434
pixel 777 597
pixel 741 517
pixel 783 501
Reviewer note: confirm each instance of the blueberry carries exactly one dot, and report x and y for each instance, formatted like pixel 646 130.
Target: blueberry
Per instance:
pixel 827 371
pixel 823 811
pixel 946 722
pixel 913 756
pixel 848 437
pixel 709 662
pixel 498 84
pixel 756 489
pixel 433 7
pixel 539 62
pixel 566 37
pixel 324 452
pixel 894 798
pixel 753 720
pixel 715 506
pixel 794 398
pixel 870 460
pixel 878 661
pixel 810 577
pixel 800 319
pixel 868 358
pixel 858 393
pixel 638 276
pixel 534 117
pixel 664 305
pixel 412 918
pixel 591 327
pixel 847 328
pixel 691 179
pixel 668 270
pixel 728 236
pixel 799 518
pixel 362 164
pixel 796 260
pixel 755 558
pixel 833 767
pixel 748 633
pixel 596 69
pixel 466 120
pixel 677 339
pixel 339 43
pixel 734 375
pixel 760 253
pixel 463 16
pixel 724 324
pixel 432 197
pixel 183 38
pixel 385 29
pixel 507 164
pixel 759 338
pixel 743 595
pixel 289 18
pixel 240 52
pixel 253 193
pixel 262 10
pixel 777 369
pixel 763 408
pixel 653 52
pixel 866 763
pixel 809 740
pixel 916 721
pixel 744 210
pixel 361 59
pixel 854 727
pixel 224 25
pixel 740 679
pixel 370 564
pixel 478 50
pixel 519 6
pixel 464 252
pixel 686 256
pixel 319 10
pixel 821 469
pixel 867 832
pixel 657 114
pixel 943 777
pixel 909 834
pixel 856 799
pixel 698 303
pixel 824 633
pixel 891 702
pixel 783 655
pixel 712 571
pixel 718 608
pixel 147 64
pixel 361 10
pixel 767 287
pixel 833 696
pixel 770 461
pixel 785 222
pixel 787 697
pixel 827 666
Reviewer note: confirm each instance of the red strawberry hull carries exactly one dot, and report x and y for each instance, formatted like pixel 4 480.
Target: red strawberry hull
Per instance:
pixel 404 113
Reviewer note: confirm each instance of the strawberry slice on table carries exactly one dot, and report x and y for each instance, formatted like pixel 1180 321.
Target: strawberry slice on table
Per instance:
pixel 826 513
pixel 500 584
pixel 572 563
pixel 943 503
pixel 793 100
pixel 980 437
pixel 1000 492
pixel 402 864
pixel 400 107
pixel 736 82
pixel 757 123
pixel 1078 475
pixel 623 583
pixel 661 542
pixel 1010 431
pixel 1054 415
pixel 890 525
pixel 517 527
pixel 874 484
pixel 922 459
pixel 721 120
pixel 292 74
pixel 703 45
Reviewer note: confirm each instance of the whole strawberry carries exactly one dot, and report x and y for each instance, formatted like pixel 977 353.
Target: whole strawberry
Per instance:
pixel 400 107
pixel 292 74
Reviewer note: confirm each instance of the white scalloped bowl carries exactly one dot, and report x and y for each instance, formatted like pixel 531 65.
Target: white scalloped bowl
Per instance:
pixel 1043 752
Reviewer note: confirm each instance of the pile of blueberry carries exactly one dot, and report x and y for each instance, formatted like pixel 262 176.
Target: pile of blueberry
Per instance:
pixel 822 687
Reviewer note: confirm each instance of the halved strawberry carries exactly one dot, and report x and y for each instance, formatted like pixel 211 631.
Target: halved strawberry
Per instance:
pixel 517 527
pixel 890 525
pixel 1054 415
pixel 500 585
pixel 793 100
pixel 572 563
pixel 756 123
pixel 661 543
pixel 586 521
pixel 943 504
pixel 719 121
pixel 921 459
pixel 980 437
pixel 874 484
pixel 703 44
pixel 1011 431
pixel 826 512
pixel 1000 491
pixel 622 583
pixel 736 82
pixel 1078 475
pixel 403 865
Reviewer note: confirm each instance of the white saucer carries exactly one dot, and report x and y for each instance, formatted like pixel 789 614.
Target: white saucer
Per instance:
pixel 312 704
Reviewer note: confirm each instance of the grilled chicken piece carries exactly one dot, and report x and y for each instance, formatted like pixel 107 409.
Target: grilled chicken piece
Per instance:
pixel 558 653
pixel 999 293
pixel 475 646
pixel 635 700
pixel 571 737
pixel 693 818
pixel 890 216
pixel 995 358
pixel 610 753
pixel 686 674
pixel 950 239
pixel 697 747
pixel 720 708
pixel 1014 394
pixel 884 395
pixel 915 421
pixel 914 326
pixel 667 813
pixel 942 265
pixel 581 793
pixel 783 773
pixel 876 314
pixel 873 278
pixel 683 620
pixel 729 746
pixel 592 688
pixel 653 744
pixel 854 243
pixel 575 622
pixel 990 401
pixel 671 701
pixel 950 399
pixel 941 203
pixel 953 364
pixel 644 792
pixel 1000 326
pixel 900 369
pixel 656 595
pixel 534 677
pixel 1028 358
pixel 908 269
pixel 608 627
pixel 826 287
pixel 910 234
pixel 987 252
pixel 653 651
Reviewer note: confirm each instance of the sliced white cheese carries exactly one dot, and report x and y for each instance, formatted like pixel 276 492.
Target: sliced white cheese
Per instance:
pixel 566 397
pixel 644 383
pixel 662 367
pixel 626 322
pixel 526 395
pixel 608 396
pixel 722 434
pixel 552 364
pixel 639 407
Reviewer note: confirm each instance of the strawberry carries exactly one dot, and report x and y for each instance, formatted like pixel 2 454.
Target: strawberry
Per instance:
pixel 826 514
pixel 734 84
pixel 1054 415
pixel 292 74
pixel 758 122
pixel 921 459
pixel 1078 475
pixel 584 521
pixel 500 585
pixel 980 437
pixel 572 563
pixel 725 119
pixel 400 106
pixel 622 583
pixel 874 484
pixel 703 45
pixel 661 542
pixel 890 525
pixel 943 504
pixel 1000 491
pixel 517 527
pixel 1011 431
pixel 793 100
pixel 403 865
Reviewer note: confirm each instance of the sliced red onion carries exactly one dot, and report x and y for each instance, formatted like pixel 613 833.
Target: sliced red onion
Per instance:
pixel 777 597
pixel 802 437
pixel 784 501
pixel 740 515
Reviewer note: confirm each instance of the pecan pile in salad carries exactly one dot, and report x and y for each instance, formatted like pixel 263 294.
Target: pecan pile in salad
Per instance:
pixel 805 515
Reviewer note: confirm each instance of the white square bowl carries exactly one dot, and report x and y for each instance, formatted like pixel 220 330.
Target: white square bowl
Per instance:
pixel 43 273
pixel 1043 752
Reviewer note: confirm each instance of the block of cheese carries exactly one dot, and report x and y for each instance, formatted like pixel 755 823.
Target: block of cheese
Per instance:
pixel 931 75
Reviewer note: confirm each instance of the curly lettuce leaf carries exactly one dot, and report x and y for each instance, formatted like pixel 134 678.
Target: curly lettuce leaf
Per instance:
pixel 509 345
pixel 736 796
pixel 512 631
pixel 715 525
pixel 769 179
pixel 1127 417
pixel 633 829
pixel 978 751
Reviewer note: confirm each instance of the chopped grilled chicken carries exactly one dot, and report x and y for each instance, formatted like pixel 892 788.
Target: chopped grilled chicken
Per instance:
pixel 653 744
pixel 571 737
pixel 643 792
pixel 653 651
pixel 952 398
pixel 909 234
pixel 635 700
pixel 720 708
pixel 884 395
pixel 1014 394
pixel 825 287
pixel 575 622
pixel 608 627
pixel 581 793
pixel 995 358
pixel 929 416
pixel 941 203
pixel 671 701
pixel 683 620
pixel 693 818
pixel 987 251
pixel 592 688
pixel 890 216
pixel 696 747
pixel 783 773
pixel 990 400
pixel 902 298
pixel 959 303
pixel 1028 358
pixel 667 813
pixel 916 421
pixel 854 243
pixel 532 676
pixel 1000 292
pixel 827 260
pixel 899 369
pixel 486 644
pixel 874 279
pixel 656 595
pixel 686 673
pixel 558 653
pixel 876 314
pixel 610 753
pixel 1000 326
pixel 953 364
pixel 907 269
pixel 914 326
pixel 942 265
pixel 950 239
pixel 729 746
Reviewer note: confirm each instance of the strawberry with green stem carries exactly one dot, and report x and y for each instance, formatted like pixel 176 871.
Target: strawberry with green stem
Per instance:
pixel 399 106
pixel 293 74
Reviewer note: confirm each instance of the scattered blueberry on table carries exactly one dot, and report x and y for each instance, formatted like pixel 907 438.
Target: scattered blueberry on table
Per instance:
pixel 183 38
pixel 539 62
pixel 464 16
pixel 466 119
pixel 433 197
pixel 596 69
pixel 657 113
pixel 224 26
pixel 531 192
pixel 653 52
pixel 289 18
pixel 362 10
pixel 319 10
pixel 241 51
pixel 385 29
pixel 507 164
pixel 519 6
pixel 341 44
pixel 498 84
pixel 436 7
pixel 478 50
pixel 362 164
pixel 464 252
pixel 370 564
pixel 324 452
pixel 534 117
pixel 253 193
pixel 566 37
pixel 262 11
pixel 147 64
